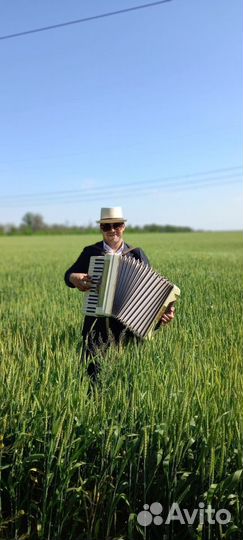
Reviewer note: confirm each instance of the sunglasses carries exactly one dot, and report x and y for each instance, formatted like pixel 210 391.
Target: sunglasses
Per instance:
pixel 109 226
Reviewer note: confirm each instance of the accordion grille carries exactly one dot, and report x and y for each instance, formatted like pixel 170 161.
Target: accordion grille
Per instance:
pixel 140 295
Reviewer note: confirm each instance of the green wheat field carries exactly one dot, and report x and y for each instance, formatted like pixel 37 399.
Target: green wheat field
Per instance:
pixel 164 424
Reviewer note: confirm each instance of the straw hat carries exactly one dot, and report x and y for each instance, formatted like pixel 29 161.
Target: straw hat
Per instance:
pixel 111 215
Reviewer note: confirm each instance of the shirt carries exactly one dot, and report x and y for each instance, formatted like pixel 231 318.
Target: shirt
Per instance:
pixel 108 249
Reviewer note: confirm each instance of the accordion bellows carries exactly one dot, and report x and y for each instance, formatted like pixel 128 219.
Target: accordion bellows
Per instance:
pixel 130 291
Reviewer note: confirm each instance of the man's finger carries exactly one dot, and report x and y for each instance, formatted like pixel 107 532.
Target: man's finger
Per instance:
pixel 168 317
pixel 85 286
pixel 165 318
pixel 170 309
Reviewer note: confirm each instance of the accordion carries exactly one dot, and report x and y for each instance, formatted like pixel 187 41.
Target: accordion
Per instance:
pixel 130 291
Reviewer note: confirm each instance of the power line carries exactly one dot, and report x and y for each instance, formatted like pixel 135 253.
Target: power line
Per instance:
pixel 84 19
pixel 138 193
pixel 117 191
pixel 176 187
pixel 225 173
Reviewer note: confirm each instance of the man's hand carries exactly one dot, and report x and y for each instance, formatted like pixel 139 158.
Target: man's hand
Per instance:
pixel 82 282
pixel 168 315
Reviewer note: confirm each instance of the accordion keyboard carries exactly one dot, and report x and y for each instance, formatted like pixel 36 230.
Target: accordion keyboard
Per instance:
pixel 92 296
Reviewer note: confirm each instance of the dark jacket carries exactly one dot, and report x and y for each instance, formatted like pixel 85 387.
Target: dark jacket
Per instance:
pixel 82 263
pixel 81 266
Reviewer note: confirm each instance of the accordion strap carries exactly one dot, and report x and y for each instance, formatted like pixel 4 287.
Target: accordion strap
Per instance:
pixel 128 251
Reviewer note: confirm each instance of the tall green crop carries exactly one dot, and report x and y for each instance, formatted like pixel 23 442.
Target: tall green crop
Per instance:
pixel 164 424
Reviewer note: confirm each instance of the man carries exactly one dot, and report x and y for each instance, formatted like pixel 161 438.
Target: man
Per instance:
pixel 100 333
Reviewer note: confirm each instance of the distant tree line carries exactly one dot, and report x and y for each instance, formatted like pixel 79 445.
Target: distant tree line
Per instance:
pixel 34 224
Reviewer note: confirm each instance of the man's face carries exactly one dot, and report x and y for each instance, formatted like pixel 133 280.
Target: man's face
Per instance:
pixel 112 232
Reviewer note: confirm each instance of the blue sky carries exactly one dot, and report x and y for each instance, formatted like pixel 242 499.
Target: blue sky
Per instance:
pixel 141 110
